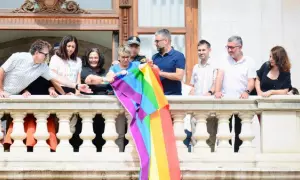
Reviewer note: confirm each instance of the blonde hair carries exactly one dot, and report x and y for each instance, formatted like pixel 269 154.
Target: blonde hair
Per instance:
pixel 123 49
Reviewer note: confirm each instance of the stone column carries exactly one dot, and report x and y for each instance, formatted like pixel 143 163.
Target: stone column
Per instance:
pixel 201 134
pixel 110 134
pixel 179 133
pixel 246 134
pixel 18 134
pixel 64 134
pixel 130 148
pixel 87 134
pixel 41 134
pixel 224 134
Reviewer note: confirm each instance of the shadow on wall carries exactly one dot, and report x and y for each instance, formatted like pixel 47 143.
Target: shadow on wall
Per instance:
pixel 23 45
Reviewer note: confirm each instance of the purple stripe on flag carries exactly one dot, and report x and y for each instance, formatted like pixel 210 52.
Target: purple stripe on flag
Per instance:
pixel 127 104
pixel 141 113
pixel 126 89
pixel 141 148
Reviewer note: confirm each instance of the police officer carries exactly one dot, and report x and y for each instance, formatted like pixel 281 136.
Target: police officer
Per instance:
pixel 134 44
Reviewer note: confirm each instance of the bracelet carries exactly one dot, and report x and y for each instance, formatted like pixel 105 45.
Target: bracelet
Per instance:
pixel 247 91
pixel 211 93
pixel 76 87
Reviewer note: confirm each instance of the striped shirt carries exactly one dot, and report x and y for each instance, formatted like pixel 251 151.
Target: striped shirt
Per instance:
pixel 20 70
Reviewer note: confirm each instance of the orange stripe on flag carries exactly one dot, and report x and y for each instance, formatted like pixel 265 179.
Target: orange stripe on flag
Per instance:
pixel 159 147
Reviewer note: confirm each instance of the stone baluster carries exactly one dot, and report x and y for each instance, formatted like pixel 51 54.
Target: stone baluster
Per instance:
pixel 130 148
pixel 110 134
pixel 224 134
pixel 246 134
pixel 201 134
pixel 87 134
pixel 178 127
pixel 64 133
pixel 1 133
pixel 18 134
pixel 41 134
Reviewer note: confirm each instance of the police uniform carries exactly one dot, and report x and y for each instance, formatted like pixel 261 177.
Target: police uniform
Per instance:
pixel 136 40
pixel 141 59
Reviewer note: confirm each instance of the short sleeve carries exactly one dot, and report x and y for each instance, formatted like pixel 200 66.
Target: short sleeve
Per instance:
pixel 251 69
pixel 113 68
pixel 11 62
pixel 287 84
pixel 84 73
pixel 48 74
pixel 193 75
pixel 221 63
pixel 215 72
pixel 54 63
pixel 154 56
pixel 180 63
pixel 79 64
pixel 260 72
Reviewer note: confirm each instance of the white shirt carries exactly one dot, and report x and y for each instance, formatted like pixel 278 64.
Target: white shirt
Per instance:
pixel 66 68
pixel 203 77
pixel 20 71
pixel 236 75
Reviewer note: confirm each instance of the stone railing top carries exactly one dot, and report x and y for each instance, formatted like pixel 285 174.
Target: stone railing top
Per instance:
pixel 279 102
pixel 70 103
pixel 177 103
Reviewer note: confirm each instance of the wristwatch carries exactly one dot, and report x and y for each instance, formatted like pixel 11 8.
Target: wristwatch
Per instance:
pixel 211 93
pixel 247 91
pixel 76 87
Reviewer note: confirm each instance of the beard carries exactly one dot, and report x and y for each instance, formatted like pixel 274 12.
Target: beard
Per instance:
pixel 160 49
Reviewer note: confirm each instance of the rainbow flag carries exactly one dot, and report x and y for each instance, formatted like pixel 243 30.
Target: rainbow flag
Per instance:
pixel 140 92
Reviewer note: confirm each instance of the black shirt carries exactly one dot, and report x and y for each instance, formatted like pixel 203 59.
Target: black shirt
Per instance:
pixel 39 87
pixel 99 89
pixel 141 59
pixel 282 82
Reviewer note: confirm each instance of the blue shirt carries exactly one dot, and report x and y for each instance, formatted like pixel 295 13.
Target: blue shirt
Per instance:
pixel 132 65
pixel 168 63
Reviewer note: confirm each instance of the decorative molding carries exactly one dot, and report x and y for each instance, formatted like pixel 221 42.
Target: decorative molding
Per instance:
pixel 51 6
pixel 125 24
pixel 63 23
pixel 125 19
pixel 125 4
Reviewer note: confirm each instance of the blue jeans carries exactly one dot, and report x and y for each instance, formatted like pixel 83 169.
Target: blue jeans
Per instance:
pixel 188 140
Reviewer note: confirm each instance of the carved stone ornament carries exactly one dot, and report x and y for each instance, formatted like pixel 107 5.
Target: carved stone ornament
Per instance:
pixel 125 4
pixel 50 6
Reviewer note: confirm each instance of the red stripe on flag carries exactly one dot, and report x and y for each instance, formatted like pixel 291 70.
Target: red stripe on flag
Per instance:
pixel 170 143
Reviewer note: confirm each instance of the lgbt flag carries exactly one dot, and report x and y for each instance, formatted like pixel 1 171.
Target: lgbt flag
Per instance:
pixel 140 92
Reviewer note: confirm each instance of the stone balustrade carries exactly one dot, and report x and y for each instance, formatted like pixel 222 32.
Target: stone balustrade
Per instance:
pixel 276 154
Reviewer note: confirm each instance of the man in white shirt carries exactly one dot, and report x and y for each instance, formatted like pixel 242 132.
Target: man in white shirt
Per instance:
pixel 203 83
pixel 204 73
pixel 235 78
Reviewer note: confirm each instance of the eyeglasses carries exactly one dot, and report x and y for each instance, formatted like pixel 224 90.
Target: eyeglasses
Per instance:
pixel 45 54
pixel 231 47
pixel 157 41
